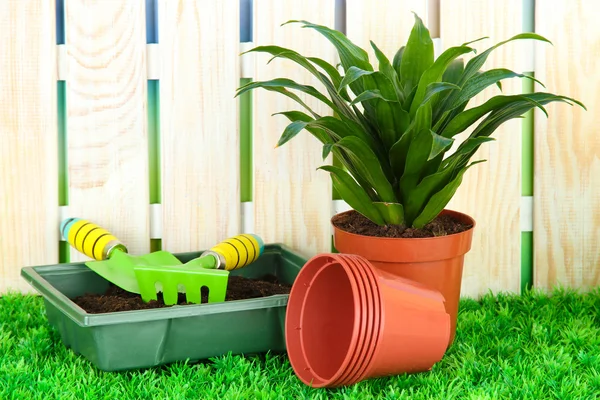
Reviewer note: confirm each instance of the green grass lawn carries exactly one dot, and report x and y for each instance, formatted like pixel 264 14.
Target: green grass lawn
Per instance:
pixel 507 347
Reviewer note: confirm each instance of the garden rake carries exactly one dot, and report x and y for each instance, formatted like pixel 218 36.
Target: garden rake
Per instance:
pixel 141 273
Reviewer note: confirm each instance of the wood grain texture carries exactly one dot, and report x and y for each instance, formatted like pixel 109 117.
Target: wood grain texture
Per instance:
pixel 386 22
pixel 28 137
pixel 490 191
pixel 199 122
pixel 567 148
pixel 107 146
pixel 292 199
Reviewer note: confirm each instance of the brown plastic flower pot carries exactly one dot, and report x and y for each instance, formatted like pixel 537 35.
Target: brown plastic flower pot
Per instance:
pixel 435 262
pixel 347 321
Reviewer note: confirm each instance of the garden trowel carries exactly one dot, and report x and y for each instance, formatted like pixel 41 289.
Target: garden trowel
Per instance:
pixel 141 274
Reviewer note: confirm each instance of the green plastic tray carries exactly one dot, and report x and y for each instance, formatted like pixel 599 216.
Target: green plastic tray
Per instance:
pixel 147 338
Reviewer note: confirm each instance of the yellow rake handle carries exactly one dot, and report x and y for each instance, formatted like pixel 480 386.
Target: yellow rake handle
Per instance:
pixel 90 239
pixel 238 251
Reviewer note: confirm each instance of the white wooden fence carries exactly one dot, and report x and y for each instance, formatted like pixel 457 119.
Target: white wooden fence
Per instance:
pixel 113 126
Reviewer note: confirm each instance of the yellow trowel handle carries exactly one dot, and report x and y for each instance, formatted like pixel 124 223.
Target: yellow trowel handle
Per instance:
pixel 237 252
pixel 90 239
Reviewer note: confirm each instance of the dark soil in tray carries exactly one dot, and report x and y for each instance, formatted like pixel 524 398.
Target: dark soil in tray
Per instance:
pixel 238 288
pixel 355 222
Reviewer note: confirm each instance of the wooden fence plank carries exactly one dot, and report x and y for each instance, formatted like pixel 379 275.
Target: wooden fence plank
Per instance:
pixel 107 118
pixel 567 148
pixel 199 122
pixel 491 191
pixel 28 137
pixel 292 199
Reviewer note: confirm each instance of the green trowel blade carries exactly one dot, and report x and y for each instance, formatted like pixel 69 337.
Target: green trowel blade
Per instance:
pixel 120 268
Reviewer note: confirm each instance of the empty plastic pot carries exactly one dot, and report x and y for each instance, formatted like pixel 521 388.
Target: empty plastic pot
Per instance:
pixel 347 321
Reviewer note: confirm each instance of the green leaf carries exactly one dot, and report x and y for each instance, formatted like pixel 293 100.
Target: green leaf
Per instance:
pixel 477 62
pixel 289 94
pixel 426 188
pixel 417 151
pixel 350 166
pixel 290 131
pixel 545 98
pixel 401 121
pixel 438 201
pixel 470 145
pixel 409 99
pixel 454 71
pixel 369 95
pixel 418 154
pixel 393 213
pixel 423 118
pixel 432 166
pixel 382 106
pixel 352 74
pixel 353 194
pixel 388 70
pixel 418 55
pixel 341 109
pixel 293 116
pixel 497 118
pixel 327 147
pixel 443 113
pixel 466 118
pixel 366 123
pixel 338 129
pixel 514 110
pixel 400 150
pixel 479 82
pixel 464 152
pixel 397 62
pixel 287 83
pixel 439 145
pixel 432 90
pixel 392 122
pixel 378 84
pixel 385 121
pixel 333 73
pixel 283 52
pixel 435 74
pixel 476 40
pixel 350 54
pixel 524 102
pixel 368 166
pixel 385 86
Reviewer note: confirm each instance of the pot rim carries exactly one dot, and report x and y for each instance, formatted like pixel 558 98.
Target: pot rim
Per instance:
pixel 444 211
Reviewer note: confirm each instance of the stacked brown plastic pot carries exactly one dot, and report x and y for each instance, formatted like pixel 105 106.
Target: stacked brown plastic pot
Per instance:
pixel 381 307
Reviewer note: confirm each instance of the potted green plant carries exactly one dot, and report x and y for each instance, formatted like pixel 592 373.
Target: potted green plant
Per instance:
pixel 392 129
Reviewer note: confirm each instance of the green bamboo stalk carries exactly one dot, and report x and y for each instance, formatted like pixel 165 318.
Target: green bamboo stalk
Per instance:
pixel 246 174
pixel 154 151
pixel 63 182
pixel 527 150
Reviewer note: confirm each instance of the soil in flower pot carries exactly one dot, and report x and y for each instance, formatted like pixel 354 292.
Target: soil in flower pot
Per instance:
pixel 115 299
pixel 357 223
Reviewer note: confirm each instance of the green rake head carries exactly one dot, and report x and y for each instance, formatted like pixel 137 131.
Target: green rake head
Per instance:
pixel 192 276
pixel 210 270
